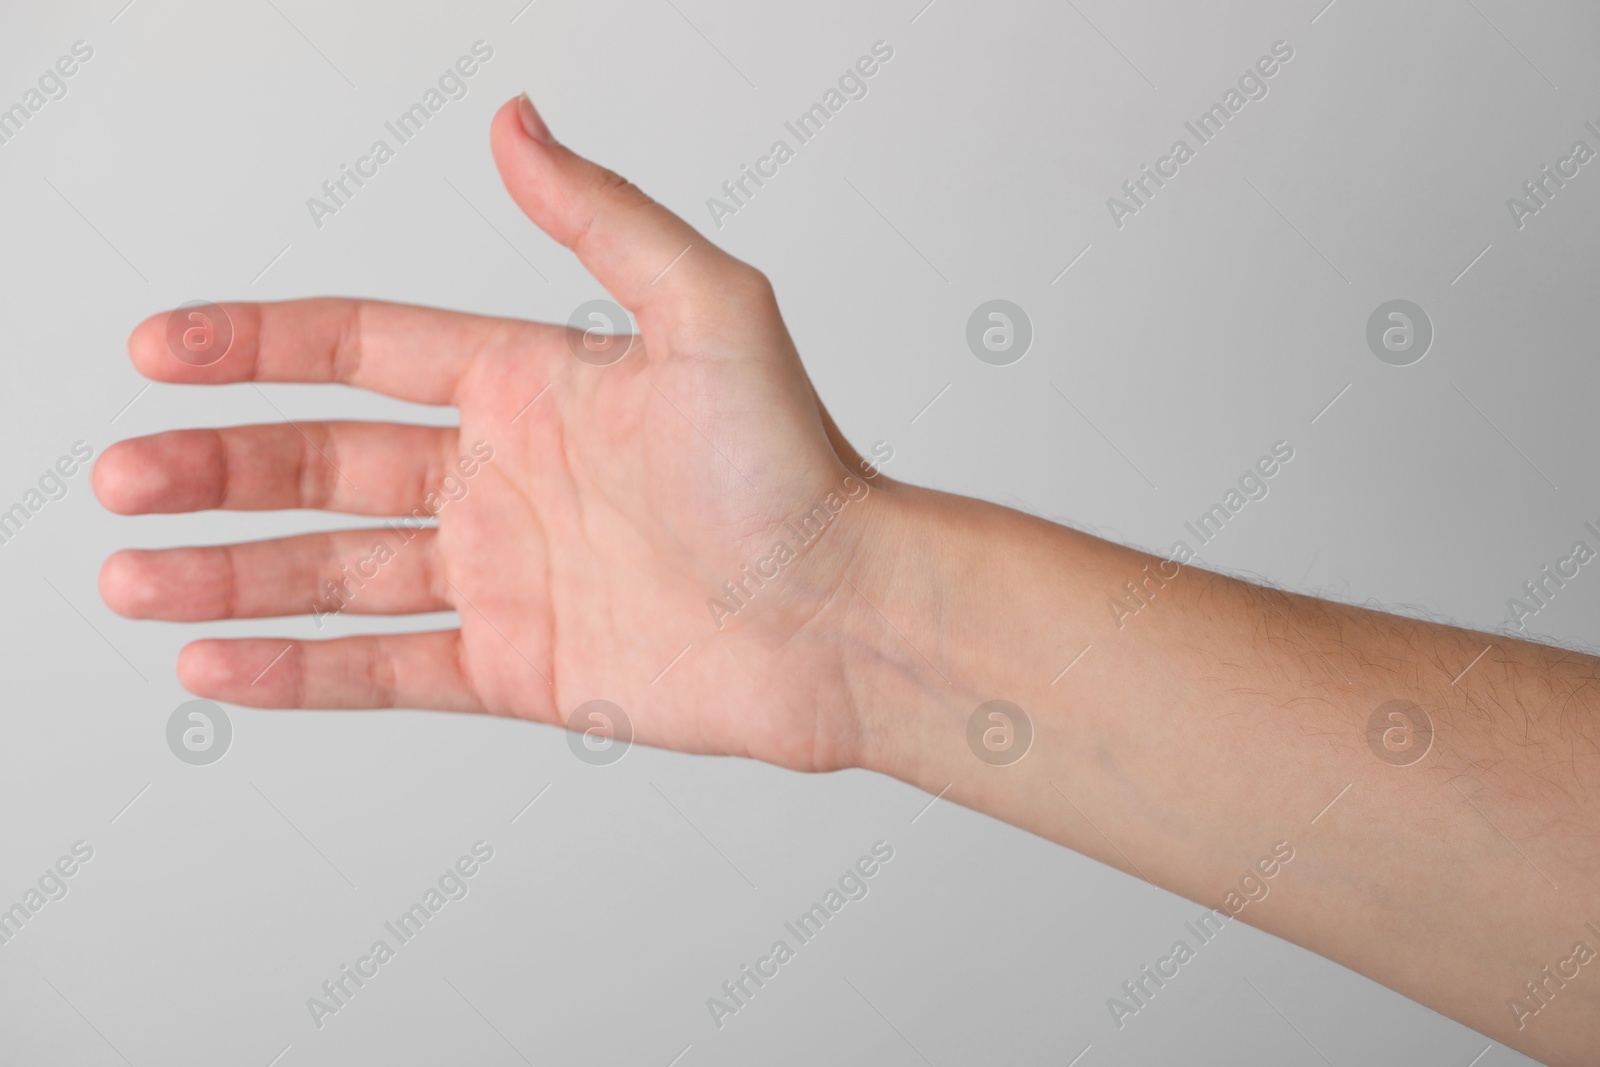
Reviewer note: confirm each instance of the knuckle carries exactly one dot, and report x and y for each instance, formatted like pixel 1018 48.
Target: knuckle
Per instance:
pixel 608 198
pixel 720 299
pixel 317 473
pixel 613 194
pixel 741 290
pixel 382 676
pixel 218 474
pixel 226 586
pixel 344 360
pixel 752 287
pixel 733 286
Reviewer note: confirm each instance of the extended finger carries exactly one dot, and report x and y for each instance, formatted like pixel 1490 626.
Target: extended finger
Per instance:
pixel 364 468
pixel 390 571
pixel 413 353
pixel 635 247
pixel 417 670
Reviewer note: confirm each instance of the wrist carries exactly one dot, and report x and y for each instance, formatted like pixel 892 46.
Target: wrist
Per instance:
pixel 945 618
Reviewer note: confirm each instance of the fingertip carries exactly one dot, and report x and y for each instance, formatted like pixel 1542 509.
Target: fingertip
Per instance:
pixel 147 344
pixel 122 584
pixel 497 123
pixel 105 480
pixel 509 143
pixel 253 672
pixel 123 484
pixel 538 181
pixel 205 669
pixel 199 342
pixel 532 122
pixel 518 119
pixel 100 481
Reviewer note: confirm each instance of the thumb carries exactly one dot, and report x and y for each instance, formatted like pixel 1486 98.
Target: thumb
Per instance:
pixel 641 252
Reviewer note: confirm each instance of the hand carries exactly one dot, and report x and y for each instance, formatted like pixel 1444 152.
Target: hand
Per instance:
pixel 582 559
pixel 1224 723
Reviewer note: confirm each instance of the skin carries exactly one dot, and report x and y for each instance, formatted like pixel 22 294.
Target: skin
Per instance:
pixel 1192 739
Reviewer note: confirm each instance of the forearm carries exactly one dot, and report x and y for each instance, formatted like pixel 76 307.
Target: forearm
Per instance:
pixel 1210 721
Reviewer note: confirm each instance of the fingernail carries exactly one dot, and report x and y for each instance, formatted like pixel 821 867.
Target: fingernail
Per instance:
pixel 532 122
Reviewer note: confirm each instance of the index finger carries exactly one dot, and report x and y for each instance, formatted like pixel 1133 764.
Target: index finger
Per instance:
pixel 411 353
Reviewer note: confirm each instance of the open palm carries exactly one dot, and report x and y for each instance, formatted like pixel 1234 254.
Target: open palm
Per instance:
pixel 589 517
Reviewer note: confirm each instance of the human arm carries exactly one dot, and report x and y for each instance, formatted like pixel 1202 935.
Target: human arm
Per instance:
pixel 588 554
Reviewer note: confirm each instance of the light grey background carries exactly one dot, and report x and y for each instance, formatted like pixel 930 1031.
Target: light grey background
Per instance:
pixel 1223 317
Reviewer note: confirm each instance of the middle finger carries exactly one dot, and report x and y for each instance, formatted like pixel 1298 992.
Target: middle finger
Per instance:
pixel 363 468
